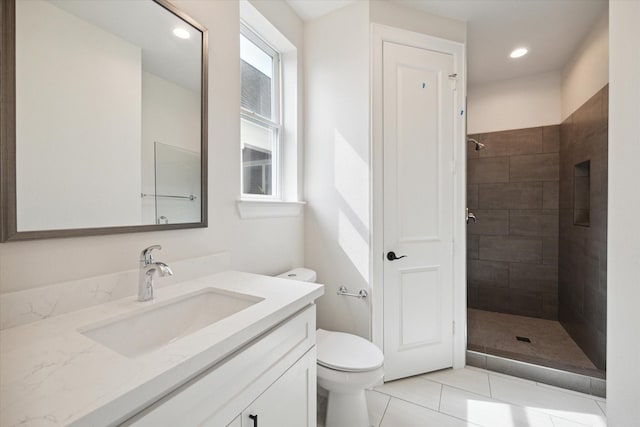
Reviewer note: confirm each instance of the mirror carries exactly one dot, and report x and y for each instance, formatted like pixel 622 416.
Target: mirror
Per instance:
pixel 103 118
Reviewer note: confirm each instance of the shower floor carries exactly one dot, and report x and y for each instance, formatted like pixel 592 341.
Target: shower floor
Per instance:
pixel 495 333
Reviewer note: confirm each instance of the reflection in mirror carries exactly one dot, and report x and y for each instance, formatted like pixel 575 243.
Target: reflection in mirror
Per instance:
pixel 109 105
pixel 176 186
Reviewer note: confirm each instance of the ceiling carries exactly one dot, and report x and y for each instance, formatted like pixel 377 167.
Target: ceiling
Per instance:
pixel 148 26
pixel 309 10
pixel 552 30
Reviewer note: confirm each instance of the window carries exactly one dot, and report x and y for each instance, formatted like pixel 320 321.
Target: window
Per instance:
pixel 260 125
pixel 270 118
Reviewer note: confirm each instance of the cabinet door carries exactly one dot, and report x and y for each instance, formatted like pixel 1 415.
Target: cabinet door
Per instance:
pixel 290 401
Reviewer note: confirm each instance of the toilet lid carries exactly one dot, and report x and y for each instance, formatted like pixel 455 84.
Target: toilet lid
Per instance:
pixel 347 352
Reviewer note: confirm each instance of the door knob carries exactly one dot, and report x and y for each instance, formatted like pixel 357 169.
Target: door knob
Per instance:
pixel 391 256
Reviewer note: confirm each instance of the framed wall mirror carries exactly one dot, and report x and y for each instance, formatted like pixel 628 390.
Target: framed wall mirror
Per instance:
pixel 104 118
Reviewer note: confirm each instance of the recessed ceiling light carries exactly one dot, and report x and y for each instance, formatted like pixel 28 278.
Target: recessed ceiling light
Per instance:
pixel 181 33
pixel 517 53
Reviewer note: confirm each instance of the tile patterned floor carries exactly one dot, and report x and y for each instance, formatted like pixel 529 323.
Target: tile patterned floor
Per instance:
pixel 551 345
pixel 475 397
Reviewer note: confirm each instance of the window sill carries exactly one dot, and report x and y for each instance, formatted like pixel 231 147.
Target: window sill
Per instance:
pixel 253 209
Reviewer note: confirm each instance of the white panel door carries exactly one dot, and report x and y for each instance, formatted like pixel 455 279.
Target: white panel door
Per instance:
pixel 418 122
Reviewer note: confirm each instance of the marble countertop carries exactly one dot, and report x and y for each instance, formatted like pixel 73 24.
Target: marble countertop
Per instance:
pixel 52 375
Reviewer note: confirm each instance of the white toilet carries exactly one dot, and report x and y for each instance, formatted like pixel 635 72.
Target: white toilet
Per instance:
pixel 347 365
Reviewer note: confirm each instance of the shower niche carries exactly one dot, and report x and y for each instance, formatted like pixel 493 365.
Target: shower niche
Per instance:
pixel 581 191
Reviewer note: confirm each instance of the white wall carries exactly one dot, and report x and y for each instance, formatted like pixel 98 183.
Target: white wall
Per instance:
pixel 338 157
pixel 261 245
pixel 281 16
pixel 623 279
pixel 588 70
pixel 92 148
pixel 515 104
pixel 175 123
pixel 394 15
pixel 543 99
pixel 337 163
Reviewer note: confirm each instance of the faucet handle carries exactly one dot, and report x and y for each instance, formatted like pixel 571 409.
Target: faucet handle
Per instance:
pixel 146 257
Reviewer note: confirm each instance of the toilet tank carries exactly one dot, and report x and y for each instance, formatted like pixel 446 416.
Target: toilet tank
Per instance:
pixel 302 274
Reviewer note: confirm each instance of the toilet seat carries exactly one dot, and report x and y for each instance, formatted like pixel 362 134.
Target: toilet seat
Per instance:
pixel 346 352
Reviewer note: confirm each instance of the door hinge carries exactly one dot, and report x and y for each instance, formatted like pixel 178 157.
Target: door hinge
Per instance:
pixel 454 79
pixel 454 327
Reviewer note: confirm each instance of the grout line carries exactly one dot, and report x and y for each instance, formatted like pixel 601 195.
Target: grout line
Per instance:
pixel 469 423
pixel 564 418
pixel 489 381
pixel 442 385
pixel 408 401
pixel 568 391
pixel 560 416
pixel 449 385
pixel 538 410
pixel 385 411
pixel 507 377
pixel 485 397
pixel 557 417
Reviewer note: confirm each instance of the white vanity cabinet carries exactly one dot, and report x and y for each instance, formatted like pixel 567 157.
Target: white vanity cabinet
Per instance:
pixel 272 377
pixel 290 401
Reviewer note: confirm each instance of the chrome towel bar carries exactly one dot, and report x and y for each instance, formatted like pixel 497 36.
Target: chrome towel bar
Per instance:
pixel 189 197
pixel 362 293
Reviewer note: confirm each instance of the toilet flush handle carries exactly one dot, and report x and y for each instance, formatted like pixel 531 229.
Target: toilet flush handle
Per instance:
pixel 255 420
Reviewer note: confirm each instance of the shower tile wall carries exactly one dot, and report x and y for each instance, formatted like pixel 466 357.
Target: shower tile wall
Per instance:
pixel 583 248
pixel 513 248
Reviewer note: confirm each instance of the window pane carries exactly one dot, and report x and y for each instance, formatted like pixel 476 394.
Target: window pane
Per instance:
pixel 257 158
pixel 256 73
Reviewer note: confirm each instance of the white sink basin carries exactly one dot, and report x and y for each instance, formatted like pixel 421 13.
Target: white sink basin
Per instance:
pixel 153 327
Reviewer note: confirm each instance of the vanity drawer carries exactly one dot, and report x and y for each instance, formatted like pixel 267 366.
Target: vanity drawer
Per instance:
pixel 224 390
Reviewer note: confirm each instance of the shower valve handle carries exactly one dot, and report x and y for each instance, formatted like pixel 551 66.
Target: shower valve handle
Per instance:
pixel 391 256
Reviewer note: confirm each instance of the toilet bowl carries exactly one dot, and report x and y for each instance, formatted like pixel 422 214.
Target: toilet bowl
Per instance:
pixel 347 365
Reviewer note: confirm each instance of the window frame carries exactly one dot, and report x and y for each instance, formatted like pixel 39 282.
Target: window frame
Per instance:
pixel 274 123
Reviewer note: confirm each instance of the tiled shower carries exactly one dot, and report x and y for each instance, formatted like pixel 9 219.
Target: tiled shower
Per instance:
pixel 536 260
pixel 513 248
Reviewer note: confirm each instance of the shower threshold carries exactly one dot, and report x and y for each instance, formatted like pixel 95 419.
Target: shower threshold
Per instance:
pixel 559 378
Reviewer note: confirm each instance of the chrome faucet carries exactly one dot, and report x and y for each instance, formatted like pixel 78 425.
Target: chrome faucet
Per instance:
pixel 471 216
pixel 147 269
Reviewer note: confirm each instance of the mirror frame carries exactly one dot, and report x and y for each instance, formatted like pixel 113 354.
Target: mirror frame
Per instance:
pixel 8 213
